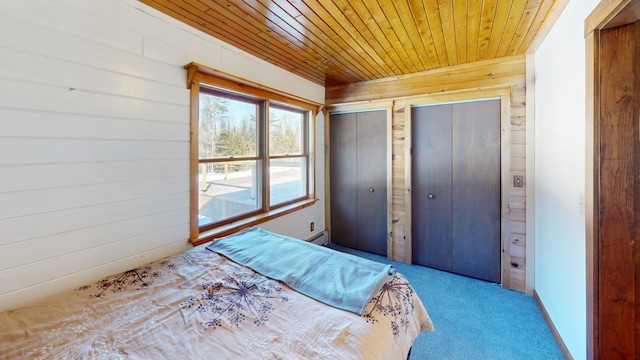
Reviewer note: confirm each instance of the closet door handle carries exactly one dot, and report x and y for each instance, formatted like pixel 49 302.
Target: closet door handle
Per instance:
pixel 372 189
pixel 431 196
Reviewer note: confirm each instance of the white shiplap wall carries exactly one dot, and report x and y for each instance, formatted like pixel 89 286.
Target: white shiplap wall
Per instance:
pixel 94 140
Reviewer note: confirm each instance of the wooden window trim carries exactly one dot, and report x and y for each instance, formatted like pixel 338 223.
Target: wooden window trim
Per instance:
pixel 223 230
pixel 201 78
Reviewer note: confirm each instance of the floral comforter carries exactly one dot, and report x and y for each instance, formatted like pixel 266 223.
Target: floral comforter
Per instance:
pixel 198 305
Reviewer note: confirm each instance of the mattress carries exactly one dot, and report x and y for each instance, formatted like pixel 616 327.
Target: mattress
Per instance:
pixel 199 304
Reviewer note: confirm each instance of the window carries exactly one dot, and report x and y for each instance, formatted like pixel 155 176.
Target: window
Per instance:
pixel 252 158
pixel 288 157
pixel 229 157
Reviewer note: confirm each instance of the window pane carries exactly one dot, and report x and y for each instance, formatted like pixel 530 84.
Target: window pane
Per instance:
pixel 286 129
pixel 228 189
pixel 227 127
pixel 288 181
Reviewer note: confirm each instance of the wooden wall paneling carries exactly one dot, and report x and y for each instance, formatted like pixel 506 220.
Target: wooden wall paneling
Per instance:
pixel 72 280
pixel 20 123
pixel 404 238
pixel 57 175
pixel 37 68
pixel 509 272
pixel 14 151
pixel 42 248
pixel 14 279
pixel 70 19
pixel 389 180
pixel 467 77
pixel 56 199
pixel 33 39
pixel 327 169
pixel 70 220
pixel 64 99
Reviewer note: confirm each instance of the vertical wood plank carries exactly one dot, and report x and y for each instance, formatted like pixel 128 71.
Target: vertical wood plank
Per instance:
pixel 509 274
pixel 407 234
pixel 389 179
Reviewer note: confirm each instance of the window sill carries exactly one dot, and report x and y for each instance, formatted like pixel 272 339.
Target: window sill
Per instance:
pixel 224 230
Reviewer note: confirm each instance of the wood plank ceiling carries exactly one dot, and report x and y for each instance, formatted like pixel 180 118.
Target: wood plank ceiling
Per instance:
pixel 337 42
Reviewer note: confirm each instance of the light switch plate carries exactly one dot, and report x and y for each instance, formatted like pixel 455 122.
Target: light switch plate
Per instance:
pixel 518 181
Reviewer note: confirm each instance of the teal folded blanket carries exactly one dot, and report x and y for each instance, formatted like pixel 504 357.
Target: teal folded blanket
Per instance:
pixel 341 280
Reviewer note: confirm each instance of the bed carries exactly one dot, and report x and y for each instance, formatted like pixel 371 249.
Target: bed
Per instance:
pixel 200 304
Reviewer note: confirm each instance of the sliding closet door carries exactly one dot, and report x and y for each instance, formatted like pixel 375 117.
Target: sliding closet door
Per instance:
pixel 431 186
pixel 475 213
pixel 372 181
pixel 358 182
pixel 343 180
pixel 456 188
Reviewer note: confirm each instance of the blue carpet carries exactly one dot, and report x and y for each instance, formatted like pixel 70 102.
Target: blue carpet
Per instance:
pixel 474 319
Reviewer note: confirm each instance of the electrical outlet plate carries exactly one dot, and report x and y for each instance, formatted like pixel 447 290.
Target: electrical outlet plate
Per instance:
pixel 312 226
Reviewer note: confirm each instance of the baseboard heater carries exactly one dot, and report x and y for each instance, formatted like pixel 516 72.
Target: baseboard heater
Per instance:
pixel 320 239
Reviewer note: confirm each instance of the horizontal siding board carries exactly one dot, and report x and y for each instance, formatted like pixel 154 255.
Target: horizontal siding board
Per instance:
pixel 19 65
pixel 518 137
pixel 134 15
pixel 69 19
pixel 291 223
pixel 49 200
pixel 18 94
pixel 36 292
pixel 53 223
pixel 516 250
pixel 34 250
pixel 39 124
pixel 518 164
pixel 517 227
pixel 51 176
pixel 171 54
pixel 15 278
pixel 37 40
pixel 518 151
pixel 25 150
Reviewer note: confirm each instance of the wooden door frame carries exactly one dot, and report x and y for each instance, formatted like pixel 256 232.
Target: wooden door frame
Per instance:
pixel 356 107
pixel 504 94
pixel 607 14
